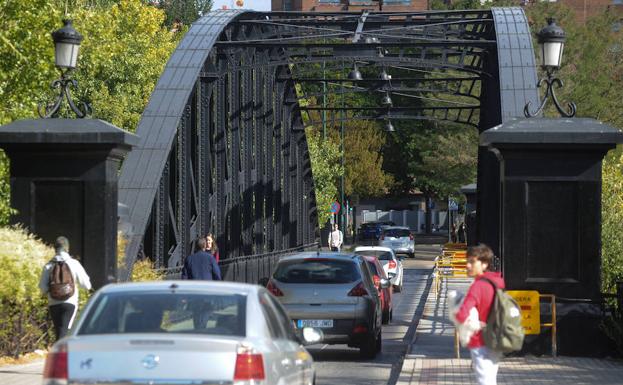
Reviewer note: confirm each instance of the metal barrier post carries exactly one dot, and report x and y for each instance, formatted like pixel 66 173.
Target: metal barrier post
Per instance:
pixel 553 323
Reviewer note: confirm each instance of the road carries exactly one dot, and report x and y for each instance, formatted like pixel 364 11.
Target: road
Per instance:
pixel 341 365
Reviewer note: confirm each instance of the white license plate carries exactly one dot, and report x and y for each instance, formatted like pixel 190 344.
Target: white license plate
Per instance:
pixel 315 323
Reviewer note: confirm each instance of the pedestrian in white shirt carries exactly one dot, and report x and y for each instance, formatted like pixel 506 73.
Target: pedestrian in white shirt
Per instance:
pixel 62 310
pixel 336 238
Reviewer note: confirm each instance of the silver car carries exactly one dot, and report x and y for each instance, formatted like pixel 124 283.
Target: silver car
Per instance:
pixel 398 238
pixel 388 259
pixel 334 292
pixel 181 332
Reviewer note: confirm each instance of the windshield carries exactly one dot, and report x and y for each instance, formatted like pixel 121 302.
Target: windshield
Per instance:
pixel 166 312
pixel 380 254
pixel 397 233
pixel 316 271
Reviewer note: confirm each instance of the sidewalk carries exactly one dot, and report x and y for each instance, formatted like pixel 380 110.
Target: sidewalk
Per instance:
pixel 27 374
pixel 431 357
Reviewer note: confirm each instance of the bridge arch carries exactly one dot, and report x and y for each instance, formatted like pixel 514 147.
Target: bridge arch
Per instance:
pixel 222 146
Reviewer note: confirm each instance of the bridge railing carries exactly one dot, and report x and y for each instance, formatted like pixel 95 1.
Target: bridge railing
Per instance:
pixel 248 268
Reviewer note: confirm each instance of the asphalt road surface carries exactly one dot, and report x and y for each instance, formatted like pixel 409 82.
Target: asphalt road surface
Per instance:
pixel 341 365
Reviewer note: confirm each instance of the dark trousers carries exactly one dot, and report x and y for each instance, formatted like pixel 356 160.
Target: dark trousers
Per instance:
pixel 61 315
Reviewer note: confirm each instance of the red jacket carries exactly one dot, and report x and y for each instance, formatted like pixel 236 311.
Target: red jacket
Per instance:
pixel 480 295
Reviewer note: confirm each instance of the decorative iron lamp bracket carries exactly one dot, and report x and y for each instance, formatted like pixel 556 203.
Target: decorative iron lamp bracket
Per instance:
pixel 549 91
pixel 64 85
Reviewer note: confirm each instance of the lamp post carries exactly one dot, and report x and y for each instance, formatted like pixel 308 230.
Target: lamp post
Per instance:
pixel 66 47
pixel 552 41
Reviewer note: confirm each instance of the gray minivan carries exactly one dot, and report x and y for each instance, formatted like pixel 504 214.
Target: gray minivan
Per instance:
pixel 334 292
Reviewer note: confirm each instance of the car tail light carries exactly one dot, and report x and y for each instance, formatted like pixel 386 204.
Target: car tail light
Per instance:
pixel 392 264
pixel 359 329
pixel 55 370
pixel 411 236
pixel 249 365
pixel 377 281
pixel 274 289
pixel 358 291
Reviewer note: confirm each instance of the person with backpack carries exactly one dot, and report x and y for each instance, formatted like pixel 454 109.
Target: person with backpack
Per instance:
pixel 59 280
pixel 481 295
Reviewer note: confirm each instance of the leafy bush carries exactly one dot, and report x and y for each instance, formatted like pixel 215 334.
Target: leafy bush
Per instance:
pixel 143 270
pixel 24 325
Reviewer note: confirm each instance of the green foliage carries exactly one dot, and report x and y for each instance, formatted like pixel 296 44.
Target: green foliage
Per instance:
pixel 613 328
pixel 143 270
pixel 363 172
pixel 435 157
pixel 612 221
pixel 185 12
pixel 24 324
pixel 326 168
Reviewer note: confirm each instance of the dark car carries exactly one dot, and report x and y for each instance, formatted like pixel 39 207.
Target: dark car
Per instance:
pixel 334 292
pixel 372 230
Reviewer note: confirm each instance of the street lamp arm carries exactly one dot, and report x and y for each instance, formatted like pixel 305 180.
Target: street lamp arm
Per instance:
pixel 550 81
pixel 64 85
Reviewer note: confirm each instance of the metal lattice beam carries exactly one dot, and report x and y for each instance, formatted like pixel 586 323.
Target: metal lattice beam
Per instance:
pixel 222 142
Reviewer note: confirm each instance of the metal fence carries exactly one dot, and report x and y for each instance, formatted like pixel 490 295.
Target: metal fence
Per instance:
pixel 249 268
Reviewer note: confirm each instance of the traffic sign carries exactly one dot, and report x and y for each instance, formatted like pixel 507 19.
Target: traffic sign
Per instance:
pixel 452 205
pixel 528 301
pixel 335 207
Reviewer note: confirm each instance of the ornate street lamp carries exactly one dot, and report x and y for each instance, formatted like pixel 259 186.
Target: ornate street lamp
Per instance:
pixel 66 46
pixel 552 41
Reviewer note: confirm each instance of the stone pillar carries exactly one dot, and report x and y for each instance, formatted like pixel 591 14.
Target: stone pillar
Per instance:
pixel 64 182
pixel 550 183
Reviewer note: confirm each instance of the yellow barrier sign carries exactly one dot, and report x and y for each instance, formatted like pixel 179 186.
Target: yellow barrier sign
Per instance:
pixel 528 301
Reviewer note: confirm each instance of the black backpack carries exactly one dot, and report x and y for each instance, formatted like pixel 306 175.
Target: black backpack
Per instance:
pixel 61 285
pixel 503 332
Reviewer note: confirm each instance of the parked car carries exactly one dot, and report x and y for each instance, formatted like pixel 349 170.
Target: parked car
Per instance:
pixel 398 238
pixel 390 262
pixel 385 293
pixel 334 292
pixel 372 230
pixel 181 332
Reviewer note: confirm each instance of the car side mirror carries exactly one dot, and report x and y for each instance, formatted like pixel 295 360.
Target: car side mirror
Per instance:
pixel 384 283
pixel 312 336
pixel 263 281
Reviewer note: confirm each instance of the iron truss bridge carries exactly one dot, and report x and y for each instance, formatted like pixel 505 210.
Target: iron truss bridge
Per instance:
pixel 223 146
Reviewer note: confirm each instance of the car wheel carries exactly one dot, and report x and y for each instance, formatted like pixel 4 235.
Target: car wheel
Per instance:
pixel 397 288
pixel 367 349
pixel 391 315
pixel 379 343
pixel 411 255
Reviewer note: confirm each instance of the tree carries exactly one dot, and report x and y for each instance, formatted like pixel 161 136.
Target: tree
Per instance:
pixel 326 168
pixel 363 160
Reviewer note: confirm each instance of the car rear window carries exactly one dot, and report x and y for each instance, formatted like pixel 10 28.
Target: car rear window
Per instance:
pixel 381 255
pixel 316 270
pixel 397 233
pixel 166 312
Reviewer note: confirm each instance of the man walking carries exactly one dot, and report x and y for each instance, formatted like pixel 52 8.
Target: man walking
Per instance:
pixel 201 265
pixel 336 238
pixel 62 291
pixel 480 295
